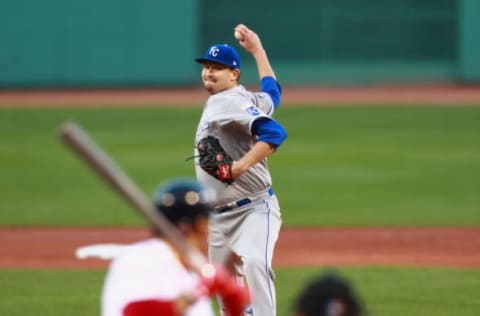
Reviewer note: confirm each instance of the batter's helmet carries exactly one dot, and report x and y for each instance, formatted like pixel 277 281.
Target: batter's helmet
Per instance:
pixel 182 199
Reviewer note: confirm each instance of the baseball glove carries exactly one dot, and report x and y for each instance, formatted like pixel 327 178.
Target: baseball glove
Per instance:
pixel 214 160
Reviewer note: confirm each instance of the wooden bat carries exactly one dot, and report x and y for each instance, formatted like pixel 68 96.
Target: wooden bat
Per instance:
pixel 77 139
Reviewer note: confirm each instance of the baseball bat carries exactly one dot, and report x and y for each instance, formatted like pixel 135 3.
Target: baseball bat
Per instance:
pixel 85 147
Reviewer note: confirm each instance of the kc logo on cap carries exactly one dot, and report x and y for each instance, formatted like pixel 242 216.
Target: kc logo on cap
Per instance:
pixel 214 51
pixel 222 54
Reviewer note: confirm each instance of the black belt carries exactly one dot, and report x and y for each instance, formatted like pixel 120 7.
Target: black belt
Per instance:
pixel 242 202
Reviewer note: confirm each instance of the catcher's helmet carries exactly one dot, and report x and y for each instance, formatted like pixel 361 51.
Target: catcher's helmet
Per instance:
pixel 329 295
pixel 182 199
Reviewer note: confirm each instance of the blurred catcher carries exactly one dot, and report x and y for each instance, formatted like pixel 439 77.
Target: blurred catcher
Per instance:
pixel 328 295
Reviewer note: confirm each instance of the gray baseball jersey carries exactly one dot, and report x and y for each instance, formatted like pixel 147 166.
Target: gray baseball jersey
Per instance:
pixel 228 116
pixel 250 230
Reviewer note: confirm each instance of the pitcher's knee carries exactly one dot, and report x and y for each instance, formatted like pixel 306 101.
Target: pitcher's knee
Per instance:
pixel 256 267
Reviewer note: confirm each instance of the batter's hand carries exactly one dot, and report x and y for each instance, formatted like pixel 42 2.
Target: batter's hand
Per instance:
pixel 250 40
pixel 235 296
pixel 235 300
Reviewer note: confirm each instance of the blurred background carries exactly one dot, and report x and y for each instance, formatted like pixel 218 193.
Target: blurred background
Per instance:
pixel 120 43
pixel 391 163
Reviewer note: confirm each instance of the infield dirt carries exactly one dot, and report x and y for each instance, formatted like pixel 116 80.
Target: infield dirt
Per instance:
pixel 407 246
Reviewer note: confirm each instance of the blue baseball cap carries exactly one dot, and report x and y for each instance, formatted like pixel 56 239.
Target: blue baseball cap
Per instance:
pixel 223 54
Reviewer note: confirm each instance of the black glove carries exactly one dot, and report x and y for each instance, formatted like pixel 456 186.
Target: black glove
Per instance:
pixel 214 160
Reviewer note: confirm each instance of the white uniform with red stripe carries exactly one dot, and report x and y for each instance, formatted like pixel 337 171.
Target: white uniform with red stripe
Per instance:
pixel 149 270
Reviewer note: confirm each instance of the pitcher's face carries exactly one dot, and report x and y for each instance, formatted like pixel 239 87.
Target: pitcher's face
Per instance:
pixel 217 77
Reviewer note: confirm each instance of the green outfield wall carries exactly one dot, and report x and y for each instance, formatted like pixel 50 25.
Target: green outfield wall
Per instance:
pixel 97 42
pixel 469 41
pixel 89 43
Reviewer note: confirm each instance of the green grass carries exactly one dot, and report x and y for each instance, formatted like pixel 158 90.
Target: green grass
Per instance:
pixel 45 184
pixel 340 166
pixel 386 291
pixel 380 166
pixel 50 292
pixel 395 291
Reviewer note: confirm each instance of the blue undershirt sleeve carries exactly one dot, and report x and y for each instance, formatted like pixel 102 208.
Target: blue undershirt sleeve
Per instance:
pixel 269 131
pixel 270 85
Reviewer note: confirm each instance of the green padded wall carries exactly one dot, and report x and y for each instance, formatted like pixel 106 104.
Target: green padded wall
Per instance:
pixel 345 40
pixel 469 63
pixel 88 43
pixel 30 33
pixel 97 42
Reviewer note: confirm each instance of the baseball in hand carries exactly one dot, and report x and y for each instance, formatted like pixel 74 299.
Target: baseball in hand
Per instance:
pixel 238 35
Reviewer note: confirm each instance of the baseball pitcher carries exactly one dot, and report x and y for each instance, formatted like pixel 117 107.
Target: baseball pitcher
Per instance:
pixel 235 135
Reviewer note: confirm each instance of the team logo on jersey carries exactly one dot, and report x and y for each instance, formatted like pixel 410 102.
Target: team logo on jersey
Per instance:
pixel 253 110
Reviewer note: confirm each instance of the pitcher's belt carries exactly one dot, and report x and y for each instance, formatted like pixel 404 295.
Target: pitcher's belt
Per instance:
pixel 230 206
